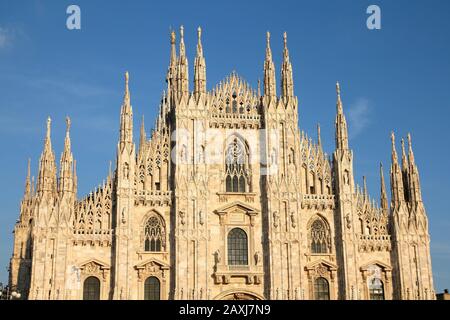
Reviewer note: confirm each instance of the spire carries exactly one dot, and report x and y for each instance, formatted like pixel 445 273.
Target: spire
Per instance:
pixel 394 156
pixel 383 194
pixel 404 159
pixel 28 192
pixel 259 87
pixel 182 47
pixel 75 178
pixel 269 72
pixel 47 167
pixel 413 177
pixel 182 68
pixel 287 83
pixel 143 137
pixel 319 140
pixel 126 98
pixel 66 164
pixel 397 193
pixel 32 186
pixel 366 194
pixel 341 123
pixel 199 43
pixel 126 117
pixel 410 151
pixel 199 68
pixel 173 50
pixel 172 69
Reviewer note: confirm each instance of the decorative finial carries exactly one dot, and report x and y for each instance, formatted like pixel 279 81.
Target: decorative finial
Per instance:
pixel 393 139
pixel 127 77
pixel 182 32
pixel 259 87
pixel 49 123
pixel 365 185
pixel 68 122
pixel 199 32
pixel 409 141
pixel 338 88
pixel 285 39
pixel 268 38
pixel 319 140
pixel 172 37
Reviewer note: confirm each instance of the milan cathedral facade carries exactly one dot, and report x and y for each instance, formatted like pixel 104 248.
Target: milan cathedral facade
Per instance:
pixel 227 199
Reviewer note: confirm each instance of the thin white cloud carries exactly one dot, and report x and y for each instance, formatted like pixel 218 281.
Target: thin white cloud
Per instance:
pixel 5 38
pixel 359 117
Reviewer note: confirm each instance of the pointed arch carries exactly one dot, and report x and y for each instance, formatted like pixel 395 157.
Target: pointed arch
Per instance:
pixel 319 235
pixel 237 164
pixel 154 232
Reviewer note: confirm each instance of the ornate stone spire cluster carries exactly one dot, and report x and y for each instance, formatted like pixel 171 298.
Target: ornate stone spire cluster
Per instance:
pixel 405 182
pixel 51 185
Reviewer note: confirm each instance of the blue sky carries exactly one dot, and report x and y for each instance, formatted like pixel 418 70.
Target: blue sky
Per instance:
pixel 396 78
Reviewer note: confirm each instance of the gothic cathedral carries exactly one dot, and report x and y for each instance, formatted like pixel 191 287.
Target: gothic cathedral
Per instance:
pixel 227 199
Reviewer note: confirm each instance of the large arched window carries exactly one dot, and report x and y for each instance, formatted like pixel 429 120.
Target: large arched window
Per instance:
pixel 152 289
pixel 319 237
pixel 321 289
pixel 237 247
pixel 91 289
pixel 376 289
pixel 154 234
pixel 237 167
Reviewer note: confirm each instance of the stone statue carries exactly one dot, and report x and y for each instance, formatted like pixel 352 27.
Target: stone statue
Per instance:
pixel 257 258
pixel 276 219
pixel 182 215
pixel 293 220
pixel 217 257
pixel 200 217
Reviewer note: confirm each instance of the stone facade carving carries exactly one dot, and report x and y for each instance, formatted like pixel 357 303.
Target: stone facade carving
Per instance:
pixel 169 210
